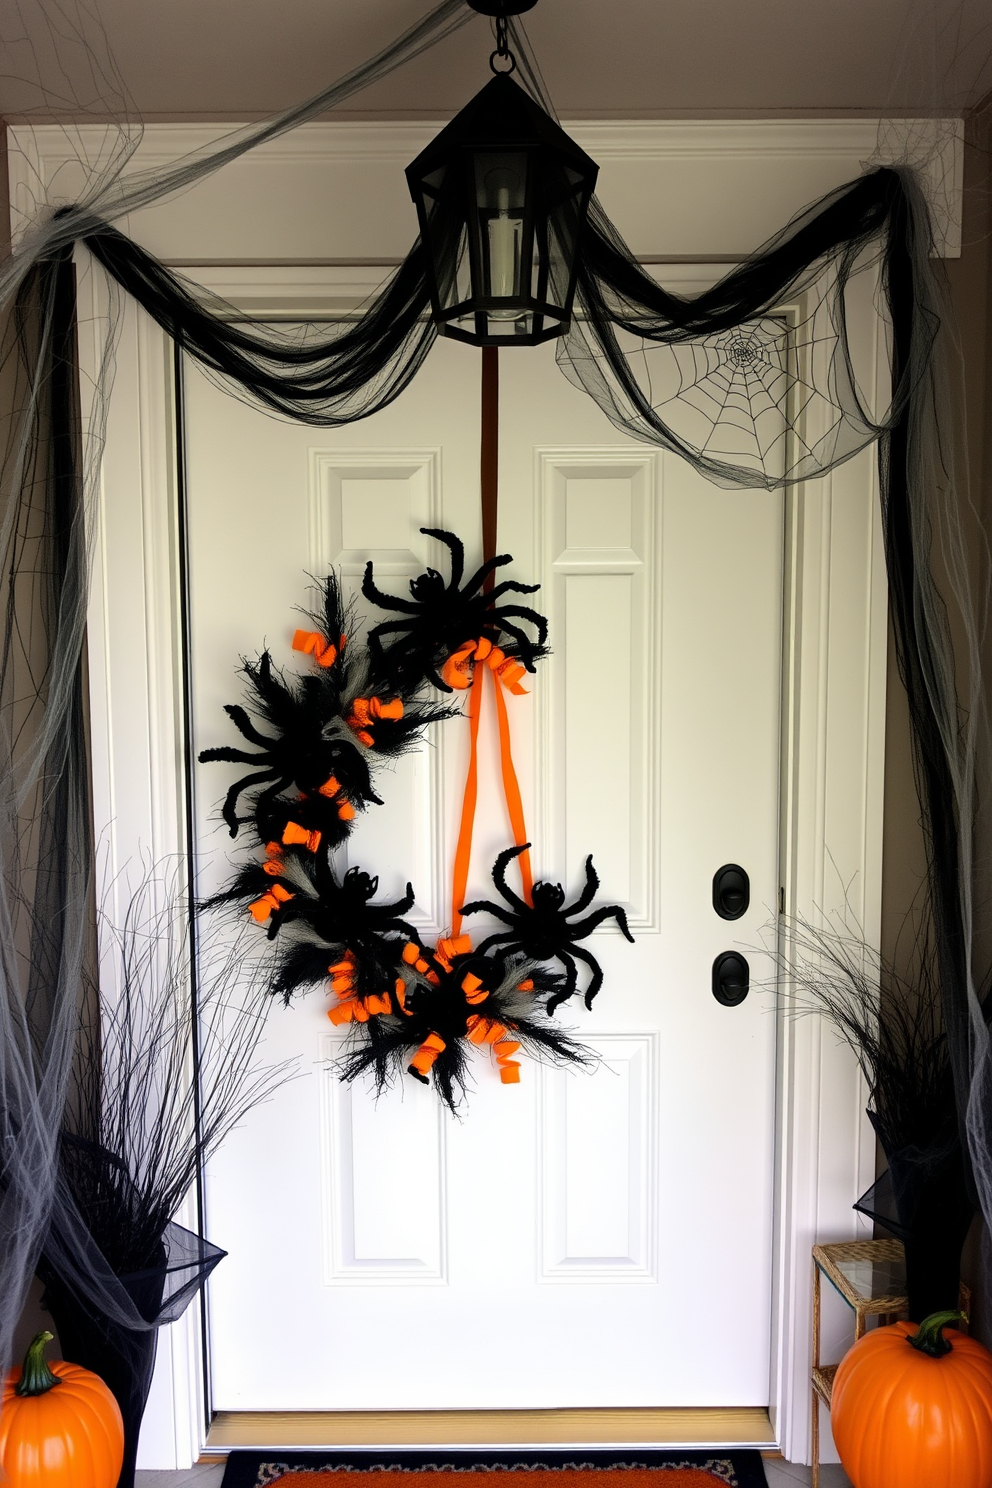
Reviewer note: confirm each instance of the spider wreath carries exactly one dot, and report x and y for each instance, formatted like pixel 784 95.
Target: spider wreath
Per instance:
pixel 544 931
pixel 318 738
pixel 441 617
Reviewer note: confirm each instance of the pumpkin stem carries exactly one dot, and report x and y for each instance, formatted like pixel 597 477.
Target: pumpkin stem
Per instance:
pixel 36 1377
pixel 928 1337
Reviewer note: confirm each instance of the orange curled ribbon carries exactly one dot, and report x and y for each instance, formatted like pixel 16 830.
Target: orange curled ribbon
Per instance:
pixel 423 1061
pixel 447 950
pixel 353 1008
pixel 323 651
pixel 474 991
pixel 412 957
pixel 331 788
pixel 269 902
pixel 457 670
pixel 295 835
pixel 481 1031
pixel 365 712
pixel 400 990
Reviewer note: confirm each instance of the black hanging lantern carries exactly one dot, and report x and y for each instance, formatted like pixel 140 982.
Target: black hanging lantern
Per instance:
pixel 502 195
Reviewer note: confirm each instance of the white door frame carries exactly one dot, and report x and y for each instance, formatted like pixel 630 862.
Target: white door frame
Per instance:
pixel 835 625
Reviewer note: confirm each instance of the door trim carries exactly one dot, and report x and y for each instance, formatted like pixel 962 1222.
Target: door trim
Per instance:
pixel 832 764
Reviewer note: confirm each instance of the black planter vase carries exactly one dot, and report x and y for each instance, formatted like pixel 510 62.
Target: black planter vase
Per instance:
pixel 124 1358
pixel 924 1200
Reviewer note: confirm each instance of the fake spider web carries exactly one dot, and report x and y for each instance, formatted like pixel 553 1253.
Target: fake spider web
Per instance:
pixel 762 403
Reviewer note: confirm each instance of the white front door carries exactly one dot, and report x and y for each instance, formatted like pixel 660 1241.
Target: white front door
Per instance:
pixel 584 1238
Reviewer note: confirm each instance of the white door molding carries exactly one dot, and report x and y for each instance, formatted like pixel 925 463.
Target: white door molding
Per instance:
pixel 833 740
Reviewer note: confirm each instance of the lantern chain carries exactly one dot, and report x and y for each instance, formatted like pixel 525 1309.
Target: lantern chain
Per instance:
pixel 502 47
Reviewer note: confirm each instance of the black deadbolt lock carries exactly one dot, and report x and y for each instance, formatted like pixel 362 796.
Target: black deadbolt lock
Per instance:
pixel 731 978
pixel 731 892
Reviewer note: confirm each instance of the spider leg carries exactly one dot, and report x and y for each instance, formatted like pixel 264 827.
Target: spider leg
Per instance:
pixel 266 798
pixel 484 905
pixel 385 601
pixel 483 572
pixel 231 756
pixel 589 892
pixel 585 927
pixel 400 906
pixel 507 940
pixel 523 612
pixel 455 547
pixel 388 627
pixel 571 981
pixel 596 980
pixel 241 721
pixel 499 877
pixel 229 811
pixel 525 646
pixel 508 587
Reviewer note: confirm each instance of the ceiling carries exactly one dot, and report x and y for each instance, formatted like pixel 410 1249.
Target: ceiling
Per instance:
pixel 242 59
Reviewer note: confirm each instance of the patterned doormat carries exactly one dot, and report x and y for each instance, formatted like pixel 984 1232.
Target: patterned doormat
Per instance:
pixel 574 1469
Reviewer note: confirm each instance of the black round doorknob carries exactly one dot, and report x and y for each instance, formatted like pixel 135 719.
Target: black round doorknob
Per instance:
pixel 731 978
pixel 731 891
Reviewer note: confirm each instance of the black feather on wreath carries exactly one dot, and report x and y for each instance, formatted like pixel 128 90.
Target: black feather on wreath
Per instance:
pixel 441 618
pixel 546 929
pixel 454 999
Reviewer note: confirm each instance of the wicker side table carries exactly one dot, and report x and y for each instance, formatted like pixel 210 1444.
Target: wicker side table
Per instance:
pixel 871 1277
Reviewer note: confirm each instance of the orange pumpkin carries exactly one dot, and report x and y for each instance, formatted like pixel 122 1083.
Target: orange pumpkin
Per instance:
pixel 913 1409
pixel 60 1427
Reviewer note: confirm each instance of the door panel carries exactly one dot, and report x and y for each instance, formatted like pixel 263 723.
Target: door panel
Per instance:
pixel 580 1239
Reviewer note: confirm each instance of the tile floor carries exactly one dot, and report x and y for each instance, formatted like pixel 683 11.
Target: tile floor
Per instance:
pixel 779 1474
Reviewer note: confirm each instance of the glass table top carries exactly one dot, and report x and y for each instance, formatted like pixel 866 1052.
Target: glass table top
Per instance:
pixel 877 1277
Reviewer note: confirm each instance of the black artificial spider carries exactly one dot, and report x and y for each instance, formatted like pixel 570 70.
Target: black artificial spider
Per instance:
pixel 299 755
pixel 330 916
pixel 542 931
pixel 442 617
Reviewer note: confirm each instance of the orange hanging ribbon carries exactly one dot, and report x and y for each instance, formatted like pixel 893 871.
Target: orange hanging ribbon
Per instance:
pixel 511 792
pixel 323 651
pixel 366 711
pixel 463 849
pixel 269 902
pixel 506 674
